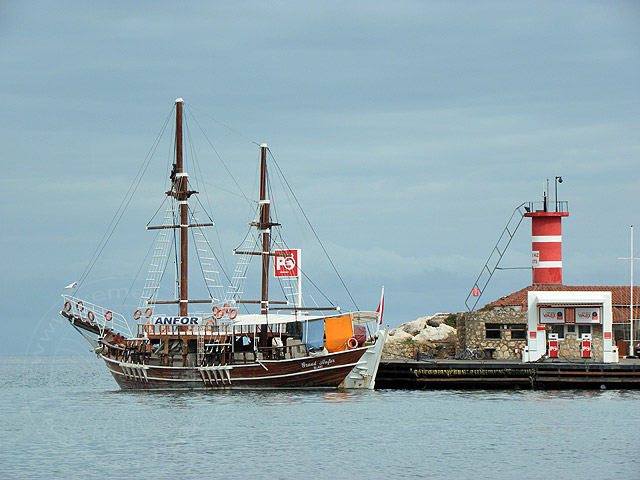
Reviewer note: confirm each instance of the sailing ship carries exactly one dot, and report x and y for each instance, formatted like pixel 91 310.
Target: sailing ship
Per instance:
pixel 284 345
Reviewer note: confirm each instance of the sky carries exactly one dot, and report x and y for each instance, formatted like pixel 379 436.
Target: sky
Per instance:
pixel 409 132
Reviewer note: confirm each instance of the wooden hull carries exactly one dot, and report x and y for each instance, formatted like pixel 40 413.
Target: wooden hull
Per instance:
pixel 328 371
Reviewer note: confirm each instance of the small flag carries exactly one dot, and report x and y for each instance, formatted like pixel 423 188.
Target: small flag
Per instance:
pixel 70 286
pixel 380 309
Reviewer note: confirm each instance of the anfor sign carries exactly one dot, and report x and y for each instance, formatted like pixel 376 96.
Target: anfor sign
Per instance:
pixel 286 263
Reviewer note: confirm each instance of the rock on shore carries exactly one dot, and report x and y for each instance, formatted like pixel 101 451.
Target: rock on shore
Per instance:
pixel 423 330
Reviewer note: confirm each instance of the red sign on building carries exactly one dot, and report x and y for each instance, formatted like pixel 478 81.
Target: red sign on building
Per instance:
pixel 286 263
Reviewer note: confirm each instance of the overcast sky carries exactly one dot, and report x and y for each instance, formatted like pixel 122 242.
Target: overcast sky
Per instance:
pixel 408 130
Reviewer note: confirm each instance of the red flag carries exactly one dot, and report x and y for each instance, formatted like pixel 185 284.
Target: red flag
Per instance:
pixel 380 309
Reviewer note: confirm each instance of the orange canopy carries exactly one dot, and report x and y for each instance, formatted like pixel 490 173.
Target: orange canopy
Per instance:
pixel 337 330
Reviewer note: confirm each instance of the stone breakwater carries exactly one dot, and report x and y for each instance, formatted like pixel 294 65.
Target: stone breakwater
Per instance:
pixel 425 337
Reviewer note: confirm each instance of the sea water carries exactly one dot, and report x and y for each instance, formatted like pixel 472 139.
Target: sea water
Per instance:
pixel 64 417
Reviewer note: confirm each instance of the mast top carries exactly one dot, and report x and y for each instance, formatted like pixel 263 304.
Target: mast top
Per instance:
pixel 179 100
pixel 264 145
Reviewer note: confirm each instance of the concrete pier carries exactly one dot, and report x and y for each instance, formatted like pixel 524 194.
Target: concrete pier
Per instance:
pixel 445 373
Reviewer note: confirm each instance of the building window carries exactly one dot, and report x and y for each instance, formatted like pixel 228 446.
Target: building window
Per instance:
pixel 518 331
pixel 559 329
pixel 493 330
pixel 570 329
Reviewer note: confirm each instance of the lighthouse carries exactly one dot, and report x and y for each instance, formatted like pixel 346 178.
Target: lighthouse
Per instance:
pixel 546 241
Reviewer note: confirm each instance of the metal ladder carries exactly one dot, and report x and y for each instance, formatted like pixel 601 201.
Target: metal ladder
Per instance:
pixel 491 265
pixel 200 355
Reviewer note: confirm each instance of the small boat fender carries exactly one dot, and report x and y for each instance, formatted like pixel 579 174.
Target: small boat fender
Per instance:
pixel 352 343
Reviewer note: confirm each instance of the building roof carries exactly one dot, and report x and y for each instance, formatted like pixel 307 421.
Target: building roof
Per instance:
pixel 619 298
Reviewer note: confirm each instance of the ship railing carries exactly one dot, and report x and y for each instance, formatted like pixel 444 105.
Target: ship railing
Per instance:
pixel 212 328
pixel 207 330
pixel 96 315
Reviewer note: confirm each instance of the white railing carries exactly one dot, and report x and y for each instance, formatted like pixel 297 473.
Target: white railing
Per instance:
pixel 96 315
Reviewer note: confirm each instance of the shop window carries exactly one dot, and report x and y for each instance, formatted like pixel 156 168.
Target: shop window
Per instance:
pixel 583 329
pixel 518 331
pixel 559 329
pixel 493 330
pixel 570 329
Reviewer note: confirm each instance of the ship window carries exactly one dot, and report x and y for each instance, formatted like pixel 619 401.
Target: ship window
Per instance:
pixel 518 331
pixel 294 329
pixel 493 330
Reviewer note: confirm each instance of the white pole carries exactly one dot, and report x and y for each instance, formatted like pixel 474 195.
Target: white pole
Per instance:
pixel 299 299
pixel 632 353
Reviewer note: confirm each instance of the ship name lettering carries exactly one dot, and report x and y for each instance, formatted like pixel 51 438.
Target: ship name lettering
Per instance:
pixel 176 321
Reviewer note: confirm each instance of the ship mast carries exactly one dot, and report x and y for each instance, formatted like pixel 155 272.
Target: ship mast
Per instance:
pixel 182 195
pixel 264 227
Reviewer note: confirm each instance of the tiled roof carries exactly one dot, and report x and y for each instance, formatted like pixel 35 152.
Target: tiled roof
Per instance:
pixel 619 298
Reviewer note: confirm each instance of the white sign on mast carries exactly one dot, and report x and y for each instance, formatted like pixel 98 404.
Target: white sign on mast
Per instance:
pixel 287 264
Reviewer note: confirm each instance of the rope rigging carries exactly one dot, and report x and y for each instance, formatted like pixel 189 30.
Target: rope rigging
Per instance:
pixel 123 205
pixel 312 229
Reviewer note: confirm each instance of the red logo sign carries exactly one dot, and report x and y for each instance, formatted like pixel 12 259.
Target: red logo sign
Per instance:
pixel 286 263
pixel 476 291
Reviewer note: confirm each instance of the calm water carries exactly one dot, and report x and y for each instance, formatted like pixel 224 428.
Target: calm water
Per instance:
pixel 65 417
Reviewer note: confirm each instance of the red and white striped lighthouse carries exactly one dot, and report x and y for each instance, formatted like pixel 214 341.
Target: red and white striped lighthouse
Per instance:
pixel 546 246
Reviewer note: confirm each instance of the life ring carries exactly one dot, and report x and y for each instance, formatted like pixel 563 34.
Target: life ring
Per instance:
pixel 233 313
pixel 210 322
pixel 219 314
pixel 91 316
pixel 148 312
pixel 108 315
pixel 79 306
pixel 215 309
pixel 352 343
pixel 226 306
pixel 137 314
pixel 67 306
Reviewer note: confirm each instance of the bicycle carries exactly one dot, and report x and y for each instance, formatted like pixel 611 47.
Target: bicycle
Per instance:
pixel 470 354
pixel 424 356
